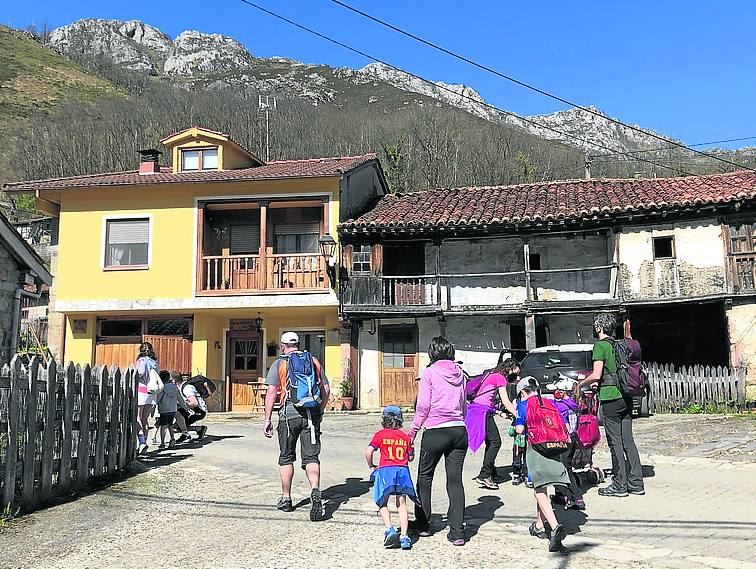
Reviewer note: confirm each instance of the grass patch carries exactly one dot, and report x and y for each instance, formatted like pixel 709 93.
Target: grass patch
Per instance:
pixel 6 515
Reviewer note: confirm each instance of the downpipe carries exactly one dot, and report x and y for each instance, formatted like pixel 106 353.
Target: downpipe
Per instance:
pixel 16 321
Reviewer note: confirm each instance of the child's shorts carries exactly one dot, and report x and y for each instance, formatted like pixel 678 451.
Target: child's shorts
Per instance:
pixel 165 420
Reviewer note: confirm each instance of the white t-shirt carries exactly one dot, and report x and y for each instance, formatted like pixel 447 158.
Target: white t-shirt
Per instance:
pixel 189 390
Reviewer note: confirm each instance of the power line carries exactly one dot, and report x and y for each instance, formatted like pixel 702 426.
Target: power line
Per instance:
pixel 530 87
pixel 448 89
pixel 675 170
pixel 658 148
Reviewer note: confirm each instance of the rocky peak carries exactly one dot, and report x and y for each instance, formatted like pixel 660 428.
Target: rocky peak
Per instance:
pixel 194 53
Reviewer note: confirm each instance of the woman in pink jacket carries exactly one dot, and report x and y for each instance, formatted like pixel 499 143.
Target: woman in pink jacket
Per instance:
pixel 441 408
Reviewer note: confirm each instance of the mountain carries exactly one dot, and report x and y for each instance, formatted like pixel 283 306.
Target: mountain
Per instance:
pixel 199 60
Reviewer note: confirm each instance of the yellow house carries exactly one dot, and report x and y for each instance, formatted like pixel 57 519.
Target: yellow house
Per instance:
pixel 210 259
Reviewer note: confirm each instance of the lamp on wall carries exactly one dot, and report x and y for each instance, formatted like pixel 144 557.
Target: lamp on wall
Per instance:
pixel 258 322
pixel 327 250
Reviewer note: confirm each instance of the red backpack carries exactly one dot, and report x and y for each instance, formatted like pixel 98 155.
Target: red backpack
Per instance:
pixel 547 433
pixel 587 432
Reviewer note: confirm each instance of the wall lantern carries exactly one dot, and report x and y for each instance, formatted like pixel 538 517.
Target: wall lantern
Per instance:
pixel 327 246
pixel 258 322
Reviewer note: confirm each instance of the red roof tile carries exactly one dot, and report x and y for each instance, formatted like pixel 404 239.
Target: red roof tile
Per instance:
pixel 307 168
pixel 572 200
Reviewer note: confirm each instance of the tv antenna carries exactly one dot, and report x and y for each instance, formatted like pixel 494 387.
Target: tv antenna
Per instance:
pixel 265 104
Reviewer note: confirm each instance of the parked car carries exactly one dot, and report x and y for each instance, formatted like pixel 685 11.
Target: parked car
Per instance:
pixel 548 363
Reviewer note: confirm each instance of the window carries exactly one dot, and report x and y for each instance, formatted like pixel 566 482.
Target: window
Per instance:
pixel 169 327
pixel 743 238
pixel 121 328
pixel 664 247
pixel 245 239
pixel 202 159
pixel 399 348
pixel 297 238
pixel 245 355
pixel 361 259
pixel 127 243
pixel 535 261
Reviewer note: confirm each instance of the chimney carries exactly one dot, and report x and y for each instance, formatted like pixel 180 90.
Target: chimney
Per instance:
pixel 149 161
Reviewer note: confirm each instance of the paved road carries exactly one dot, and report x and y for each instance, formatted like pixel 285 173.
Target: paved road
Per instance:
pixel 213 506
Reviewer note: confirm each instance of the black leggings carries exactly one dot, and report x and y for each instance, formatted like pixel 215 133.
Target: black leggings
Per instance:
pixel 572 491
pixel 450 443
pixel 493 444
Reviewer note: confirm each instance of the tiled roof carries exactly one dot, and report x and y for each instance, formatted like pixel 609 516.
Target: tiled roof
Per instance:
pixel 308 168
pixel 476 208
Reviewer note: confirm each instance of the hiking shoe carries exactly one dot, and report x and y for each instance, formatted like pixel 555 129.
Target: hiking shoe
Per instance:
pixel 285 504
pixel 201 433
pixel 316 509
pixel 405 542
pixel 183 438
pixel 171 444
pixel 542 533
pixel 613 491
pixel 391 538
pixel 488 483
pixel 457 542
pixel 578 504
pixel 517 479
pixel 555 541
pixel 529 483
pixel 162 446
pixel 560 499
pixel 637 490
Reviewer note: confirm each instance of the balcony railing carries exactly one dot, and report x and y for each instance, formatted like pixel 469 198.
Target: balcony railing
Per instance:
pixel 744 271
pixel 246 273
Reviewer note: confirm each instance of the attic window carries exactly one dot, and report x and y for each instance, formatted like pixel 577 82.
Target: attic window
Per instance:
pixel 200 159
pixel 664 247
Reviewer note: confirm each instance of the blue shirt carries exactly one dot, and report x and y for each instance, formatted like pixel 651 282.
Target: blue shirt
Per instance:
pixel 522 407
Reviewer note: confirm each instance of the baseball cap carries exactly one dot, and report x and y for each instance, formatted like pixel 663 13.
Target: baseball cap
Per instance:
pixel 527 382
pixel 562 384
pixel 393 410
pixel 289 338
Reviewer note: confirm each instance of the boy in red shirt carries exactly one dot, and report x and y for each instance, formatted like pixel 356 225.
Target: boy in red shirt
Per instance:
pixel 392 475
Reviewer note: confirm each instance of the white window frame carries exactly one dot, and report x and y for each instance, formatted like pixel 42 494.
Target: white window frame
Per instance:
pixel 200 158
pixel 104 241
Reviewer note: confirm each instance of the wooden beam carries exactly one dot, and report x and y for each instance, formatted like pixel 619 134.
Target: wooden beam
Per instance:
pixel 262 269
pixel 526 256
pixel 530 332
pixel 200 246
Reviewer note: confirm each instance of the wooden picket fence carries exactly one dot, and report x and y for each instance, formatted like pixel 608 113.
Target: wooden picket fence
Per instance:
pixel 61 427
pixel 674 388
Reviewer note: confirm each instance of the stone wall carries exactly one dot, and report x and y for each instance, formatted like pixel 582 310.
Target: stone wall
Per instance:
pixel 9 282
pixel 698 268
pixel 741 324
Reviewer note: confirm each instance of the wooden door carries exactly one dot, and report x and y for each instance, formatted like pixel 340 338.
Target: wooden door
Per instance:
pixel 244 364
pixel 174 353
pixel 120 351
pixel 398 384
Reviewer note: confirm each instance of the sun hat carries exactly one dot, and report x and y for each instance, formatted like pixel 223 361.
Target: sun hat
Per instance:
pixel 393 411
pixel 289 338
pixel 527 382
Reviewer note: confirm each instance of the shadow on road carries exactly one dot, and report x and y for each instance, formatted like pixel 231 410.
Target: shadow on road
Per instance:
pixel 480 513
pixel 339 494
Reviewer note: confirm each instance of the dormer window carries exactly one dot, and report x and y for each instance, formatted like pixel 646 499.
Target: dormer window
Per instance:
pixel 200 159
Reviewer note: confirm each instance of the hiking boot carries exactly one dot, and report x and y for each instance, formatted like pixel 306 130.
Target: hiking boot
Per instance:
pixel 555 541
pixel 637 490
pixel 613 491
pixel 542 533
pixel 488 483
pixel 202 432
pixel 405 543
pixel 578 504
pixel 285 504
pixel 390 538
pixel 316 509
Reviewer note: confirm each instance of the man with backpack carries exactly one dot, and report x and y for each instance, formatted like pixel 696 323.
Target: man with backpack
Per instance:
pixel 304 389
pixel 616 387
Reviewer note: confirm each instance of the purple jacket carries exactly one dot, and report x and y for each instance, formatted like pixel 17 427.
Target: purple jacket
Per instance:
pixel 441 396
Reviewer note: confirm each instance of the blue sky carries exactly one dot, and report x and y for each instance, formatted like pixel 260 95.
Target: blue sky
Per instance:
pixel 685 69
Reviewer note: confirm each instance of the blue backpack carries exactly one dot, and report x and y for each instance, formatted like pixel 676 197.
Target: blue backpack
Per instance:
pixel 301 373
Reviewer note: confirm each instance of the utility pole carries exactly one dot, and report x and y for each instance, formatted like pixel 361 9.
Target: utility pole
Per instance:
pixel 588 159
pixel 266 103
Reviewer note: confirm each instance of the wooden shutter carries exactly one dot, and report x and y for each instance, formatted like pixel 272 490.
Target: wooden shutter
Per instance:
pixel 245 239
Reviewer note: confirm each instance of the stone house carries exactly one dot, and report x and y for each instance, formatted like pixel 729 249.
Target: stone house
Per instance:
pixel 22 275
pixel 518 267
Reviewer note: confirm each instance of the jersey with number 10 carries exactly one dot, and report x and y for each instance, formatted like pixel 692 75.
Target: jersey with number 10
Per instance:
pixel 394 446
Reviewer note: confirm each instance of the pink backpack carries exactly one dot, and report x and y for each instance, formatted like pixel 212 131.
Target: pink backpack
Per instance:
pixel 587 431
pixel 547 433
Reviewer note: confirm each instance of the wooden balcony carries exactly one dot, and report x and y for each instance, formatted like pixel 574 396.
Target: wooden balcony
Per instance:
pixel 244 274
pixel 743 272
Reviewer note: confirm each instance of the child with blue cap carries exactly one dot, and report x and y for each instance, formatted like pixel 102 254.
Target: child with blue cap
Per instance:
pixel 392 475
